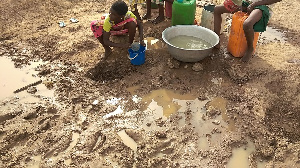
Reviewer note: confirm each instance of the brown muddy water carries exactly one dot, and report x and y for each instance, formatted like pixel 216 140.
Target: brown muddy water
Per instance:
pixel 272 34
pixel 12 78
pixel 158 104
pixel 163 103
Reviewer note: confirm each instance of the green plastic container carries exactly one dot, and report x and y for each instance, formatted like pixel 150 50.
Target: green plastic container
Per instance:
pixel 183 12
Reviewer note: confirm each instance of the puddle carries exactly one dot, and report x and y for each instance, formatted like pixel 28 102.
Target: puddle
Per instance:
pixel 272 35
pixel 165 99
pixel 127 140
pixel 261 164
pixel 119 110
pixel 203 143
pixel 160 104
pixel 197 110
pixel 220 104
pixel 12 78
pixel 132 91
pixel 153 43
pixel 240 156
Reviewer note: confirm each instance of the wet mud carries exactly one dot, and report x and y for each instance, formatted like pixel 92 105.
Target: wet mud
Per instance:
pixel 91 112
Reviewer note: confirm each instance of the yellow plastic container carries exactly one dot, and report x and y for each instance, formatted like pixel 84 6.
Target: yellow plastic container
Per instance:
pixel 237 43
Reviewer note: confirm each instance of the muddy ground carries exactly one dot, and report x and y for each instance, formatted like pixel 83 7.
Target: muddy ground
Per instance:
pixel 164 113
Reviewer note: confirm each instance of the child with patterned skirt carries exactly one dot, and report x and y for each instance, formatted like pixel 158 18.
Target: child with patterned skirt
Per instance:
pixel 120 21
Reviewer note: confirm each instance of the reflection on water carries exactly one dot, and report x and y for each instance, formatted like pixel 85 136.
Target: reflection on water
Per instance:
pixel 240 156
pixel 220 104
pixel 165 99
pixel 189 42
pixel 127 140
pixel 261 164
pixel 272 34
pixel 203 143
pixel 119 110
pixel 153 43
pixel 12 78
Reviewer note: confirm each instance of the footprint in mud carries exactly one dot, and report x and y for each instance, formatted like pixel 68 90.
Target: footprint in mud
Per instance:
pixel 6 117
pixel 100 141
pixel 61 144
pixel 13 138
pixel 93 142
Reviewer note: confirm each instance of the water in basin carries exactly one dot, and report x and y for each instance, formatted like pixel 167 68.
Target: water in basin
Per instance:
pixel 189 42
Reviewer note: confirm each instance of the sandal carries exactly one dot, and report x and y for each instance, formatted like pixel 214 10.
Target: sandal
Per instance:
pixel 73 20
pixel 157 20
pixel 61 24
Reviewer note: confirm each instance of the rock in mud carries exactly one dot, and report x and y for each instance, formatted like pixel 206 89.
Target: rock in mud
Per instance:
pixel 173 64
pixel 197 67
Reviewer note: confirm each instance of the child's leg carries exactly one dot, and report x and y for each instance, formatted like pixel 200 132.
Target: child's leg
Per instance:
pixel 161 14
pixel 136 12
pixel 98 33
pixel 218 11
pixel 254 17
pixel 148 12
pixel 106 48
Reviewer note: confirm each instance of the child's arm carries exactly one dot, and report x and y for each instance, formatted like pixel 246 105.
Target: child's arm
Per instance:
pixel 261 2
pixel 140 27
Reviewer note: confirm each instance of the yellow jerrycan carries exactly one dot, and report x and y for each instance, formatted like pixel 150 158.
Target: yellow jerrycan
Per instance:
pixel 237 43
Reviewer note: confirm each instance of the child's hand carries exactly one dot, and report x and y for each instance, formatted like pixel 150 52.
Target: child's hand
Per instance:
pixel 97 23
pixel 250 8
pixel 142 43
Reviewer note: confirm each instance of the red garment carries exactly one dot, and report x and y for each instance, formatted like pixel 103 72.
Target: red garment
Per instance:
pixel 117 29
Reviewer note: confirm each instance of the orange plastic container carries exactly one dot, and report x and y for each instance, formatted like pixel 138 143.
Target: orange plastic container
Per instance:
pixel 237 43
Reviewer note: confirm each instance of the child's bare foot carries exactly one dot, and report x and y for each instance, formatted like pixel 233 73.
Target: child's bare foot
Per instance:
pixel 158 19
pixel 107 52
pixel 247 55
pixel 146 17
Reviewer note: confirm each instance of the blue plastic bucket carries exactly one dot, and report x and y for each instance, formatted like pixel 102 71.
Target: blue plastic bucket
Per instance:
pixel 137 57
